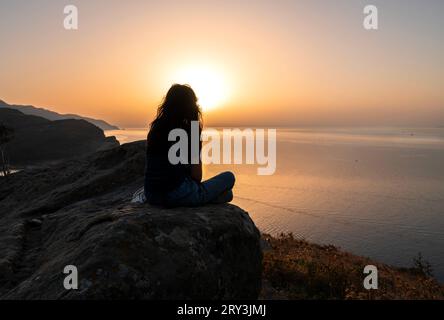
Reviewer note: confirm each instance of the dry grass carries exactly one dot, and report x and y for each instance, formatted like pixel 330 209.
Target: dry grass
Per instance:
pixel 296 269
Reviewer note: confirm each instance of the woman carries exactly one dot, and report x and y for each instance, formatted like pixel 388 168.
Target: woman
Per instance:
pixel 180 184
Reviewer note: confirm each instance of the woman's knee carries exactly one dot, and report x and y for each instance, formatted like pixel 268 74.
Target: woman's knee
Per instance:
pixel 230 178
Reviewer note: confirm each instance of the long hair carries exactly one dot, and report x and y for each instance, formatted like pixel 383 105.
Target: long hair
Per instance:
pixel 177 110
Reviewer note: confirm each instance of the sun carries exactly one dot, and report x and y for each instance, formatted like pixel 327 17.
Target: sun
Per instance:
pixel 208 84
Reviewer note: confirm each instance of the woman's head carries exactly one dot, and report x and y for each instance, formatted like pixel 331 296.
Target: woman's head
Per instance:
pixel 177 110
pixel 179 106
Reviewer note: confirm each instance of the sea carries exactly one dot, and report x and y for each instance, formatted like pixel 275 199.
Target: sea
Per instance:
pixel 375 192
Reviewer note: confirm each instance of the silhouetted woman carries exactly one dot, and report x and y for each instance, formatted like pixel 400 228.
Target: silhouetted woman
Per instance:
pixel 180 184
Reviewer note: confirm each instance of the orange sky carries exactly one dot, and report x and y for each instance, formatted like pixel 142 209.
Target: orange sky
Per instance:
pixel 280 62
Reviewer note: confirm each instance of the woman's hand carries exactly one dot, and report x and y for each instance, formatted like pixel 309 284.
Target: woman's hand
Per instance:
pixel 196 169
pixel 196 172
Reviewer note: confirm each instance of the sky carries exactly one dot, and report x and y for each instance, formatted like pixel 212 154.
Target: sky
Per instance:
pixel 258 63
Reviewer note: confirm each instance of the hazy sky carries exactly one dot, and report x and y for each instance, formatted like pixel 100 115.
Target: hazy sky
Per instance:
pixel 276 62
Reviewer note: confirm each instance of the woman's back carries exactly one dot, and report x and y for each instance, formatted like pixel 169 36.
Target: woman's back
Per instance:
pixel 180 184
pixel 160 175
pixel 177 111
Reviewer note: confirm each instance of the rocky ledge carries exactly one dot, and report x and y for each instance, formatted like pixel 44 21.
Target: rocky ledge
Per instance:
pixel 79 213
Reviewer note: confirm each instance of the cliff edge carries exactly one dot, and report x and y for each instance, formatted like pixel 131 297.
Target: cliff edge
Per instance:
pixel 79 213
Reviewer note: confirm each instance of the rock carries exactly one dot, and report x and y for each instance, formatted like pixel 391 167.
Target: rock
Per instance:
pixel 79 213
pixel 36 222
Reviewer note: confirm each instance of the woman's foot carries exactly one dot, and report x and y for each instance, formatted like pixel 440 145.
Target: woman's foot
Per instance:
pixel 224 197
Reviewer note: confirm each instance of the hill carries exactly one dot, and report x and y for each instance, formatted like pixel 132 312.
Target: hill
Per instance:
pixel 37 139
pixel 51 115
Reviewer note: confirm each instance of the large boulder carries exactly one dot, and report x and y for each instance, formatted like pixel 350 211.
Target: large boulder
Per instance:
pixel 79 213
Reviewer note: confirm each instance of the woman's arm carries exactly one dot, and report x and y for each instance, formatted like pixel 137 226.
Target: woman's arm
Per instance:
pixel 196 172
pixel 196 169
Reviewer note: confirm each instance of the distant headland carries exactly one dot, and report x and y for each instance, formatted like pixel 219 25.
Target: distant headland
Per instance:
pixel 51 115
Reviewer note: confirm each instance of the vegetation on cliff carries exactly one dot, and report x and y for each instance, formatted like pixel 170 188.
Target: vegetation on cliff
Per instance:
pixel 297 269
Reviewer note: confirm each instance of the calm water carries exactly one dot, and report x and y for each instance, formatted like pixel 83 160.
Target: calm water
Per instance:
pixel 374 192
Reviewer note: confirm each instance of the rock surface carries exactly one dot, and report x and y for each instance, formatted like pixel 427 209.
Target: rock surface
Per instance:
pixel 78 213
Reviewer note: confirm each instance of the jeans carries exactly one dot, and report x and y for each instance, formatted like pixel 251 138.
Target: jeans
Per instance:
pixel 193 194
